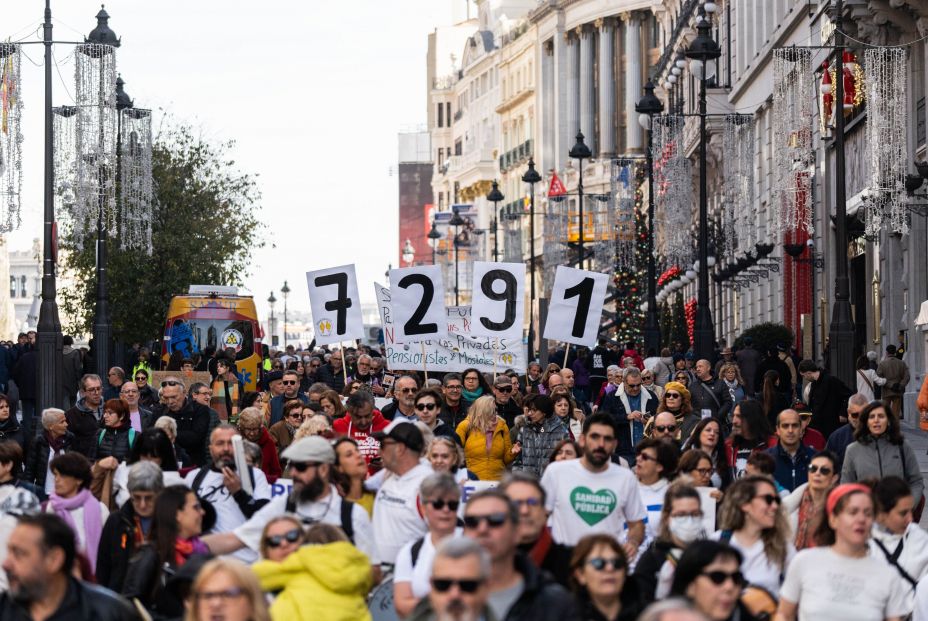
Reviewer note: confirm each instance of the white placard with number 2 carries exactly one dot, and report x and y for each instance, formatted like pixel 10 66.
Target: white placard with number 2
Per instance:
pixel 418 300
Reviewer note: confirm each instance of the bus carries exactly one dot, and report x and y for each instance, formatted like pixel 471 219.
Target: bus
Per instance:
pixel 217 317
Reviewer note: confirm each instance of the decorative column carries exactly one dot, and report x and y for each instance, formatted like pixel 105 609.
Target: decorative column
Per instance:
pixel 587 111
pixel 548 125
pixel 573 82
pixel 606 88
pixel 632 79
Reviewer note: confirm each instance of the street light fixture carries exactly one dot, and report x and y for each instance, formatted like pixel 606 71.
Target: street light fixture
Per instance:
pixel 647 107
pixel 580 152
pixel 531 177
pixel 702 51
pixel 272 322
pixel 495 197
pixel 409 253
pixel 433 237
pixel 286 291
pixel 456 221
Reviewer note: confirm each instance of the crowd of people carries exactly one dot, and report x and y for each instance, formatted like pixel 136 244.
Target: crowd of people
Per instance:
pixel 616 487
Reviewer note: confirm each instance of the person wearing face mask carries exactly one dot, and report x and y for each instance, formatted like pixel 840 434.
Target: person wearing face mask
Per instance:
pixel 655 465
pixel 681 524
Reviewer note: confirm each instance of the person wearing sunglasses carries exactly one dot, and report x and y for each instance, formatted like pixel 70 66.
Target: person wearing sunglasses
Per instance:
pixel 753 522
pixel 843 436
pixel 281 537
pixel 600 582
pixel 428 407
pixel 440 497
pixel 507 407
pixel 291 391
pixel 708 575
pixel 804 506
pixel 492 520
pixel 148 396
pixel 459 582
pixel 842 578
pixel 404 400
pixel 678 401
pixel 631 406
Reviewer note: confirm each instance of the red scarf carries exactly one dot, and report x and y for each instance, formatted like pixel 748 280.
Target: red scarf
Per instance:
pixel 185 548
pixel 540 550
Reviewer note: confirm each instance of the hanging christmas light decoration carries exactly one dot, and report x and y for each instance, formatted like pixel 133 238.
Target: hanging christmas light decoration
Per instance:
pixel 673 190
pixel 554 252
pixel 826 101
pixel 622 191
pixel 11 138
pixel 95 98
pixel 886 139
pixel 792 135
pixel 739 216
pixel 135 178
pixel 65 160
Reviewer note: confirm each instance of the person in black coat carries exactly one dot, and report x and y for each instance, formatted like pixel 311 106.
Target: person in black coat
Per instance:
pixel 827 397
pixel 56 438
pixel 708 393
pixel 9 426
pixel 192 419
pixel 117 436
pixel 618 405
pixel 773 363
pixel 25 373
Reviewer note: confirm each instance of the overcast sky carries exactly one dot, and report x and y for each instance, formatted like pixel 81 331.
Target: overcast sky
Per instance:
pixel 313 93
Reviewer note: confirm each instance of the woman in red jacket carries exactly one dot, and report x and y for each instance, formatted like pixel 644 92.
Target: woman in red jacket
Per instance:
pixel 251 426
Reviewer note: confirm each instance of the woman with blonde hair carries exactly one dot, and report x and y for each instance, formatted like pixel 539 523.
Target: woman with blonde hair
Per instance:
pixel 486 440
pixel 754 523
pixel 282 536
pixel 446 455
pixel 730 374
pixel 228 589
pixel 315 425
pixel 551 369
pixel 677 401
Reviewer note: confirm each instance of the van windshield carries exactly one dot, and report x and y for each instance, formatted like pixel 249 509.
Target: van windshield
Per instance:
pixel 192 336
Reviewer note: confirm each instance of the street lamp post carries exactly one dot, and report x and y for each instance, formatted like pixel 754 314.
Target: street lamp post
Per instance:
pixel 580 152
pixel 701 52
pixel 531 177
pixel 647 107
pixel 456 221
pixel 495 197
pixel 272 322
pixel 433 237
pixel 285 290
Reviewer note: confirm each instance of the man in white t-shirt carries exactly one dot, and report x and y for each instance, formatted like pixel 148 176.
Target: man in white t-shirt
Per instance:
pixel 313 499
pixel 398 517
pixel 221 486
pixel 592 494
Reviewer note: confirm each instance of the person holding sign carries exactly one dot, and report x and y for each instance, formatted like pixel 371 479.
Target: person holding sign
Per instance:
pixel 360 424
pixel 592 494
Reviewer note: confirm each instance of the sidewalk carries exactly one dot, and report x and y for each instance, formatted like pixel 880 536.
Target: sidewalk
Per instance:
pixel 918 439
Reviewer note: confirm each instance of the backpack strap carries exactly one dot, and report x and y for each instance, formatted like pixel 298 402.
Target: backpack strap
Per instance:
pixel 416 549
pixel 726 536
pixel 893 559
pixel 198 480
pixel 100 437
pixel 347 525
pixel 290 507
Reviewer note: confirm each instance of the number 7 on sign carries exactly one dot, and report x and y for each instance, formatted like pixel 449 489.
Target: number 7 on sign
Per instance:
pixel 576 307
pixel 336 306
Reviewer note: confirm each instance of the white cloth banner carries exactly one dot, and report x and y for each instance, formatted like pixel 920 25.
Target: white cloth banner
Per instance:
pixel 456 352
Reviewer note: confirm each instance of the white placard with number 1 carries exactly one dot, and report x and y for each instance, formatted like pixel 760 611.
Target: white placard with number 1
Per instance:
pixel 418 298
pixel 576 307
pixel 498 301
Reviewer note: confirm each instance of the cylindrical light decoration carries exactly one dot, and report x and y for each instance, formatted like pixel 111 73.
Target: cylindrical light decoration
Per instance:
pixel 135 179
pixel 739 212
pixel 886 138
pixel 11 137
pixel 554 250
pixel 95 96
pixel 673 190
pixel 65 159
pixel 622 188
pixel 826 104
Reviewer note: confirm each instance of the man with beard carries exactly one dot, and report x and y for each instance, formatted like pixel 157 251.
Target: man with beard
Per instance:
pixel 39 567
pixel 592 494
pixel 459 591
pixel 221 486
pixel 313 500
pixel 359 424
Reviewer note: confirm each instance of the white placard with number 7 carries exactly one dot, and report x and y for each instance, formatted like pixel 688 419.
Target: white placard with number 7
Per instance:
pixel 336 305
pixel 418 298
pixel 498 302
pixel 576 307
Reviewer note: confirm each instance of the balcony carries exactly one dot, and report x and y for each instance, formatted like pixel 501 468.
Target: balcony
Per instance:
pixel 471 159
pixel 516 156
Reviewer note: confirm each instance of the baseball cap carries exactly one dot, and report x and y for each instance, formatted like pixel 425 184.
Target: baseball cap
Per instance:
pixel 312 449
pixel 404 432
pixel 502 380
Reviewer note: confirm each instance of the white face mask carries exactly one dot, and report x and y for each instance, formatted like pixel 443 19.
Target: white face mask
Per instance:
pixel 687 528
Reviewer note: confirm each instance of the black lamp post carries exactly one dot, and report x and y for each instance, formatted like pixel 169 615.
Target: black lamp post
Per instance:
pixel 102 322
pixel 649 106
pixel 580 152
pixel 272 322
pixel 286 291
pixel 495 197
pixel 433 236
pixel 703 50
pixel 531 177
pixel 456 221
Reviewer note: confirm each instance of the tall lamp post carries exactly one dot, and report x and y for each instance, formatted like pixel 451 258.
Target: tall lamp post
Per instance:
pixel 701 52
pixel 531 177
pixel 272 322
pixel 433 237
pixel 647 107
pixel 580 152
pixel 285 290
pixel 102 322
pixel 495 197
pixel 456 221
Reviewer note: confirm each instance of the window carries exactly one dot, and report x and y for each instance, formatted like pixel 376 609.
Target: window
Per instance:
pixel 12 286
pixel 441 115
pixel 22 286
pixel 448 112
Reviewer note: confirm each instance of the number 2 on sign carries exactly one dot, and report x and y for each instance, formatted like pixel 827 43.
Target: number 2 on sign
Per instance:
pixel 415 326
pixel 341 303
pixel 507 295
pixel 583 290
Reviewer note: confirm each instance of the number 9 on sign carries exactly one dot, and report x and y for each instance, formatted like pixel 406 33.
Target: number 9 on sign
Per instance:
pixel 576 307
pixel 498 300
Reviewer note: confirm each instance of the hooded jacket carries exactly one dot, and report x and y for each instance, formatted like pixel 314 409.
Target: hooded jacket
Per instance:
pixel 879 458
pixel 318 583
pixel 84 423
pixel 10 430
pixel 538 440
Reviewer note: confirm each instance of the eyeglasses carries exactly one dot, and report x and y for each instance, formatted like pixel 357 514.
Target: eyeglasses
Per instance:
pixel 665 428
pixel 141 378
pixel 443 585
pixel 302 466
pixel 425 406
pixel 672 395
pixel 854 415
pixel 825 470
pixel 493 520
pixel 706 472
pixel 205 393
pixel 645 378
pixel 170 383
pixel 638 385
pixel 691 514
pixel 769 499
pixel 453 387
pixel 507 388
pixel 718 578
pixel 315 365
pixel 224 595
pixel 471 378
pixel 291 536
pixel 646 457
pixel 407 390
pixel 527 502
pixel 601 564
pixel 295 415
pixel 441 504
pixel 289 382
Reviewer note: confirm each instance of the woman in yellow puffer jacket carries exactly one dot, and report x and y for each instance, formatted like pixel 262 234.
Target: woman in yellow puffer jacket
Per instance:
pixel 486 440
pixel 319 583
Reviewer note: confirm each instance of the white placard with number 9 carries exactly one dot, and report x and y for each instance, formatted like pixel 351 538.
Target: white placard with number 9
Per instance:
pixel 418 298
pixel 498 300
pixel 336 305
pixel 576 308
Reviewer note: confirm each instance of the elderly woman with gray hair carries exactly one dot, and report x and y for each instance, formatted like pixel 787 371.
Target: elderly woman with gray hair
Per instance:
pixel 126 529
pixel 54 440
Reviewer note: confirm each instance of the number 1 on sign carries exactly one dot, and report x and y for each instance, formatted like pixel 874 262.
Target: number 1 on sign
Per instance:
pixel 583 290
